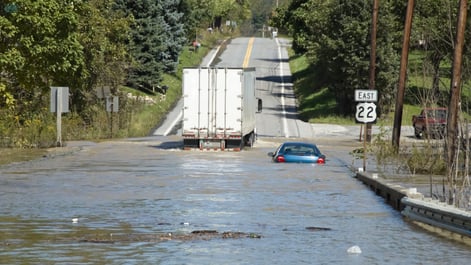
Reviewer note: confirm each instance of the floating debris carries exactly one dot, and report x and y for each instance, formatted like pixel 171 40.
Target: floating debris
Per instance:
pixel 316 228
pixel 204 232
pixel 161 237
pixel 96 241
pixel 354 250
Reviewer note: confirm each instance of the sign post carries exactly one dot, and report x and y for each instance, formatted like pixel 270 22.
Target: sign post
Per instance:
pixel 365 113
pixel 112 105
pixel 59 104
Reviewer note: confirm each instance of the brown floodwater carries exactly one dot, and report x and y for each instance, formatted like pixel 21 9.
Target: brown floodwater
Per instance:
pixel 146 201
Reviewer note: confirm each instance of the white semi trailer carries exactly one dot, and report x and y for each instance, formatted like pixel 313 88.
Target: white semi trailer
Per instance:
pixel 219 107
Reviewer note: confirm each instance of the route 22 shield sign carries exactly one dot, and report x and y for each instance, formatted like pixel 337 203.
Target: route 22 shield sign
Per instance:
pixel 366 112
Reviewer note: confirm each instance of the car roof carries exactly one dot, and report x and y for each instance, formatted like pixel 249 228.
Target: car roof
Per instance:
pixel 298 143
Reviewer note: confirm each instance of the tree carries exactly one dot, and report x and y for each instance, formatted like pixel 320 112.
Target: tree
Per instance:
pixel 211 13
pixel 103 33
pixel 433 31
pixel 157 38
pixel 40 45
pixel 335 35
pixel 173 32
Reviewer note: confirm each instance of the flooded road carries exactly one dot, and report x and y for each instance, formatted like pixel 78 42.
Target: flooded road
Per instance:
pixel 139 201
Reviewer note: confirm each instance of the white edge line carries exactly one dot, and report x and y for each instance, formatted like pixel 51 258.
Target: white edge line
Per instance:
pixel 180 115
pixel 285 122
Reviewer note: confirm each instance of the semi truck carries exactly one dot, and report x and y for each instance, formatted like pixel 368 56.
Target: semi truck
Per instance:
pixel 219 107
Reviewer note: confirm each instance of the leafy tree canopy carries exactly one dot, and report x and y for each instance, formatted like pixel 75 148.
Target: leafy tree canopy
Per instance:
pixel 157 38
pixel 335 35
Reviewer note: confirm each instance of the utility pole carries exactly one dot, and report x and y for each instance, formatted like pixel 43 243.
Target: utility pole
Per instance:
pixel 372 84
pixel 455 95
pixel 402 76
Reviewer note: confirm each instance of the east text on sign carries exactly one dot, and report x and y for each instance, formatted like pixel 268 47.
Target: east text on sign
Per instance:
pixel 365 95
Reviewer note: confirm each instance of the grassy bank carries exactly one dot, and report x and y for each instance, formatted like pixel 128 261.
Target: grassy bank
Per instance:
pixel 317 105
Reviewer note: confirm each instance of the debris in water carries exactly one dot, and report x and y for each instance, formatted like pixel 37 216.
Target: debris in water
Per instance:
pixel 96 241
pixel 316 228
pixel 354 250
pixel 161 237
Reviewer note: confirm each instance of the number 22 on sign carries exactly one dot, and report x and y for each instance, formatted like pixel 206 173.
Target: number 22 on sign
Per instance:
pixel 365 112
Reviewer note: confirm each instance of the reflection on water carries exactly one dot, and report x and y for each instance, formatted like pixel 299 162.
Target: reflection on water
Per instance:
pixel 125 194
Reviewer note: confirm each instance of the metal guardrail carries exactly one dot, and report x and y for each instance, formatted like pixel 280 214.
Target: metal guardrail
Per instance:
pixel 412 205
pixel 438 214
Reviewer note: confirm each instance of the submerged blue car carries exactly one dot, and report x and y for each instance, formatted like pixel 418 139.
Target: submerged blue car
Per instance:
pixel 297 152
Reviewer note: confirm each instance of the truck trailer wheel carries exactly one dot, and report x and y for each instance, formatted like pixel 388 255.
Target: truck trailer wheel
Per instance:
pixel 250 139
pixel 189 144
pixel 222 145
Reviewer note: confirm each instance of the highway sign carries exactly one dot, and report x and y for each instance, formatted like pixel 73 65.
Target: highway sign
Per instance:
pixel 363 95
pixel 366 112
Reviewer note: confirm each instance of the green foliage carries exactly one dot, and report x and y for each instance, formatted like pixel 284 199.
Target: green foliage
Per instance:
pixel 426 158
pixel 146 43
pixel 318 105
pixel 31 131
pixel 7 101
pixel 40 46
pixel 202 14
pixel 335 36
pixel 89 45
pixel 174 35
pixel 103 35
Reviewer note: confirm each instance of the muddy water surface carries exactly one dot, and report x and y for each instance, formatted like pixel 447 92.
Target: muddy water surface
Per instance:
pixel 147 202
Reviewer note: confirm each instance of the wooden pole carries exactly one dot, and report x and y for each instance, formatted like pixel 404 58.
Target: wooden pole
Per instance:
pixel 455 95
pixel 402 76
pixel 372 77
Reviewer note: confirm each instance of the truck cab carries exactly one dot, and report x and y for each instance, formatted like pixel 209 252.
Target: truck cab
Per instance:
pixel 431 122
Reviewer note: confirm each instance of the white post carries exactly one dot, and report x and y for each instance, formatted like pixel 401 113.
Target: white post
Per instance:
pixel 59 116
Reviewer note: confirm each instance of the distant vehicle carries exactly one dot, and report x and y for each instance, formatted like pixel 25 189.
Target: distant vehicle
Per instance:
pixel 431 122
pixel 219 107
pixel 297 152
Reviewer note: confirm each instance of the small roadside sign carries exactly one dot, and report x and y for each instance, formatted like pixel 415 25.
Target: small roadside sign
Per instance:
pixel 59 99
pixel 112 104
pixel 59 104
pixel 366 95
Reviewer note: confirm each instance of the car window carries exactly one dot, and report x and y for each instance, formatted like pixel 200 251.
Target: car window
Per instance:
pixel 288 149
pixel 301 150
pixel 440 114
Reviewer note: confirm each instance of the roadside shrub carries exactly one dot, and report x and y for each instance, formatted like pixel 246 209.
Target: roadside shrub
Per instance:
pixel 33 131
pixel 424 158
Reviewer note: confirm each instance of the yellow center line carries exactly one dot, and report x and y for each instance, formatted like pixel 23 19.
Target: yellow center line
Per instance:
pixel 248 52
